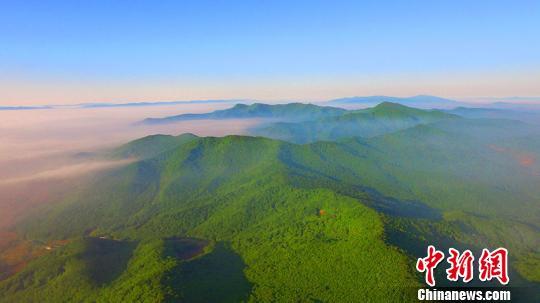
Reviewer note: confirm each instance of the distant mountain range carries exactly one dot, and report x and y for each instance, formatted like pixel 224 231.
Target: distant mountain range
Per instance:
pixel 24 107
pixel 160 103
pixel 420 101
pixel 131 104
pixel 384 118
pixel 296 111
pixel 516 106
pixel 530 116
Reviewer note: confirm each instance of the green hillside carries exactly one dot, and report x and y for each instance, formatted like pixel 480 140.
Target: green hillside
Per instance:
pixel 255 219
pixel 150 146
pixel 384 118
pixel 487 196
pixel 294 242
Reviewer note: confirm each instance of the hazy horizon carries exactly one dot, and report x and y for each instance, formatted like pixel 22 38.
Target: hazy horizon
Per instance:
pixel 479 100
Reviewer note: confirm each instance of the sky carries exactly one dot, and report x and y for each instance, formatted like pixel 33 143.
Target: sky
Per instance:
pixel 67 52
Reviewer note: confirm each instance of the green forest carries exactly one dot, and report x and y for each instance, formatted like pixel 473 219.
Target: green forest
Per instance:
pixel 333 207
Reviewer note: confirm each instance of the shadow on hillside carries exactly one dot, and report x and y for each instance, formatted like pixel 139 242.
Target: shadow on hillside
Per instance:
pixel 217 276
pixel 400 208
pixel 412 236
pixel 410 226
pixel 106 259
pixel 367 195
pixel 184 248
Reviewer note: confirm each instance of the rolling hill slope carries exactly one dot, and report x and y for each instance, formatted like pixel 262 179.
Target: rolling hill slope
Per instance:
pixel 325 221
pixel 294 242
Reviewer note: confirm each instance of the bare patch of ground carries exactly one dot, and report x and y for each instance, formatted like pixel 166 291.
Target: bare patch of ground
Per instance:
pixel 523 158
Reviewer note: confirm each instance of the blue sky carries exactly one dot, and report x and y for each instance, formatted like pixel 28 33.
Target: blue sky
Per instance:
pixel 78 51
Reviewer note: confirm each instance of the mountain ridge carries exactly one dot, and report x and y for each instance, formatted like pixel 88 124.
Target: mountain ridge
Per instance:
pixel 257 110
pixel 422 101
pixel 384 118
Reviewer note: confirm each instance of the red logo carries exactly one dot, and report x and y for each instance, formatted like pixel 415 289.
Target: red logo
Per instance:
pixel 429 263
pixel 494 265
pixel 460 265
pixel 490 265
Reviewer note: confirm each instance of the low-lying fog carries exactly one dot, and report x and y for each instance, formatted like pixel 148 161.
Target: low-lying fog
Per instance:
pixel 38 148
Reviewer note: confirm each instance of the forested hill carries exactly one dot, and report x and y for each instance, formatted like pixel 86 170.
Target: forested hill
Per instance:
pixel 150 146
pixel 274 234
pixel 242 218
